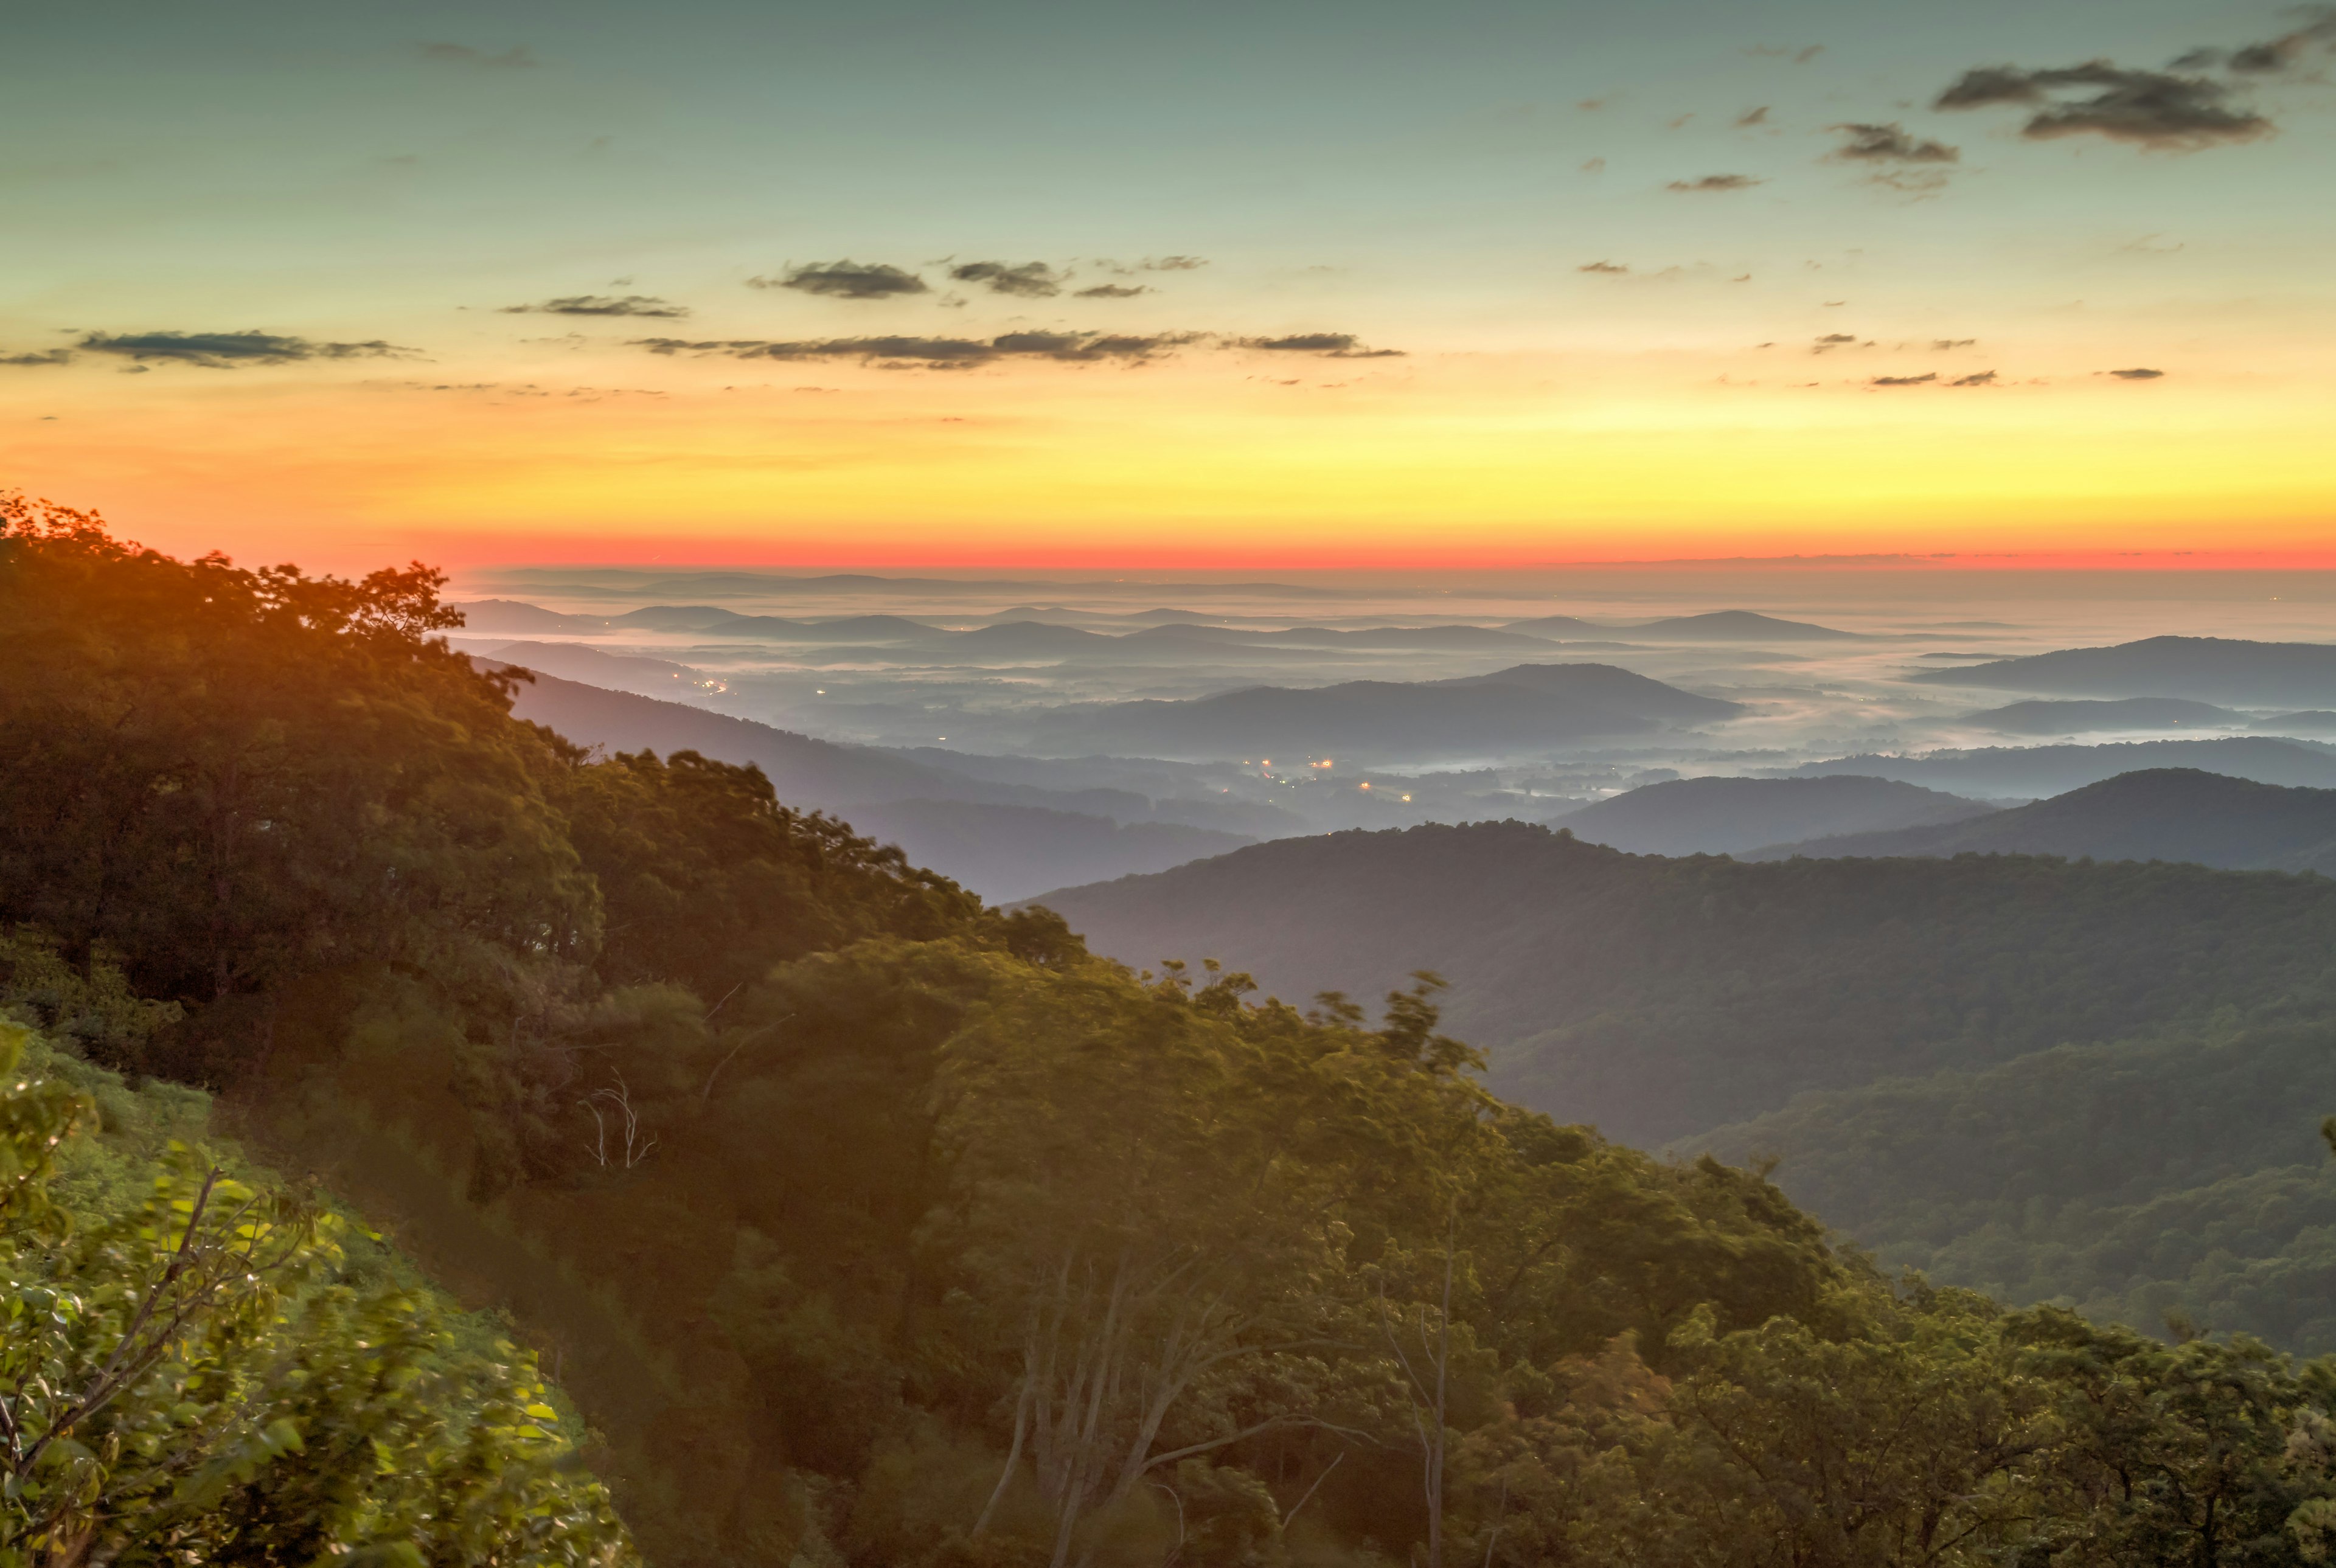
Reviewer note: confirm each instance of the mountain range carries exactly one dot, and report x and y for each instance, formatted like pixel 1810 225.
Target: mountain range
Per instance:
pixel 2202 668
pixel 1730 815
pixel 2154 814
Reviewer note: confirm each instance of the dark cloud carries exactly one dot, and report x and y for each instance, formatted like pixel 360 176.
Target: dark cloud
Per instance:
pixel 1334 345
pixel 515 58
pixel 1029 280
pixel 2148 108
pixel 1905 380
pixel 1112 291
pixel 966 353
pixel 2273 54
pixel 1890 144
pixel 1977 378
pixel 1944 344
pixel 601 305
pixel 233 350
pixel 1830 341
pixel 937 353
pixel 1716 183
pixel 43 357
pixel 1753 117
pixel 1602 267
pixel 2137 374
pixel 846 280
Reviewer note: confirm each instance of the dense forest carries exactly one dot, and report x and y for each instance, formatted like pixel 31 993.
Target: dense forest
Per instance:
pixel 1658 997
pixel 864 1224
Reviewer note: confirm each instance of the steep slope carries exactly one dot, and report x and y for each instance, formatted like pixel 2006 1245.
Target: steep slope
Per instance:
pixel 1655 997
pixel 1512 711
pixel 2156 814
pixel 2028 772
pixel 2202 668
pixel 612 671
pixel 1728 815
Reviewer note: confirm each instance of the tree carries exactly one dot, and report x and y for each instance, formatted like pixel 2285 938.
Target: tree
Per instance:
pixel 186 1379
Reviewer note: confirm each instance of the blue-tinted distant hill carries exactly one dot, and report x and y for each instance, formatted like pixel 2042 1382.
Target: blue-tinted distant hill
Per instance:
pixel 1727 815
pixel 2025 773
pixel 1735 626
pixel 1509 713
pixel 2158 814
pixel 2202 668
pixel 2081 717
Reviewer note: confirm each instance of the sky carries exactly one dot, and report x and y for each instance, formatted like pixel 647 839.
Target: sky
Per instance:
pixel 1212 286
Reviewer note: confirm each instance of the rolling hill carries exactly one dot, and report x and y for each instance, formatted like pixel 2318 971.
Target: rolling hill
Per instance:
pixel 2080 716
pixel 1512 711
pixel 1728 815
pixel 1011 851
pixel 2202 668
pixel 2156 814
pixel 1657 997
pixel 2026 772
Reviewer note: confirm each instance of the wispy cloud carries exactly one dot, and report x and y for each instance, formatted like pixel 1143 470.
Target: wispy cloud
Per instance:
pixel 234 350
pixel 2137 374
pixel 1977 378
pixel 1716 183
pixel 1923 379
pixel 914 353
pixel 1602 266
pixel 41 356
pixel 1335 345
pixel 1112 291
pixel 846 280
pixel 601 305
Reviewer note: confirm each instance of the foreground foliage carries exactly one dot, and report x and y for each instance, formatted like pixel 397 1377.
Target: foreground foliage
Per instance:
pixel 186 1377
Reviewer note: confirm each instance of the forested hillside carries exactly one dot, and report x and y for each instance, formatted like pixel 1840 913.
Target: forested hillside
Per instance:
pixel 869 1225
pixel 1657 998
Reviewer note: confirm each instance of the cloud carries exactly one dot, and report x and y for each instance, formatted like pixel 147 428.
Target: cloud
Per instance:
pixel 1830 341
pixel 846 280
pixel 1112 291
pixel 515 58
pixel 1889 145
pixel 1977 378
pixel 2271 55
pixel 1602 267
pixel 600 305
pixel 1905 380
pixel 937 353
pixel 1030 281
pixel 1716 183
pixel 43 357
pixel 1753 117
pixel 1334 345
pixel 1944 344
pixel 233 350
pixel 1155 264
pixel 2154 109
pixel 903 353
pixel 2137 374
pixel 1594 166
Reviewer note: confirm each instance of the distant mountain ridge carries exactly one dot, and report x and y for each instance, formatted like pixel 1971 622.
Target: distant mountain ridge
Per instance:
pixel 1730 815
pixel 2157 813
pixel 1508 711
pixel 2084 715
pixel 2028 772
pixel 2202 668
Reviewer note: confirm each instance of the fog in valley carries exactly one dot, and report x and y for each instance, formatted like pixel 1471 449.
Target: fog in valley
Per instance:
pixel 1159 719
